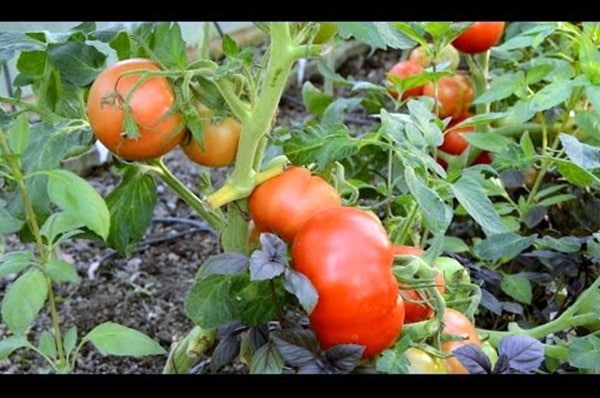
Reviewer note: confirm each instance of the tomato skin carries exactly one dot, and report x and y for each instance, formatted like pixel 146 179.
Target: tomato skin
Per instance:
pixel 449 54
pixel 283 203
pixel 454 142
pixel 347 255
pixel 421 362
pixel 454 95
pixel 160 129
pixel 404 69
pixel 483 158
pixel 479 37
pixel 456 323
pixel 220 141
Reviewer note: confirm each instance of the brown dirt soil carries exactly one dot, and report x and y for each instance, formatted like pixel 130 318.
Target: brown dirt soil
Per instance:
pixel 147 291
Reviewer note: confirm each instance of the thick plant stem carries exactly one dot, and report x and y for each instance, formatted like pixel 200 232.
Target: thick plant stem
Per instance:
pixel 185 353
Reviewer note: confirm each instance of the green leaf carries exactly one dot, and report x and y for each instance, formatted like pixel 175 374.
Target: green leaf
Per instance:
pixel 575 174
pixel 518 287
pixel 114 339
pixel 584 352
pixel 589 59
pixel 8 223
pixel 583 155
pixel 47 344
pixel 315 100
pixel 11 42
pixel 70 340
pixel 375 34
pixel 230 47
pixel 527 145
pixel 437 214
pixel 593 95
pixel 392 362
pixel 267 360
pixel 31 65
pixel 473 198
pixel 61 271
pixel 538 72
pixel 255 303
pixel 551 95
pixel 317 144
pixel 122 45
pixel 502 87
pixel 168 45
pixel 454 244
pixel 78 63
pixel 10 344
pixel 75 195
pixel 504 246
pixel 58 224
pixel 131 206
pixel 18 134
pixel 23 301
pixel 15 262
pixel 489 141
pixel 209 302
pixel 334 114
pixel 552 200
pixel 566 244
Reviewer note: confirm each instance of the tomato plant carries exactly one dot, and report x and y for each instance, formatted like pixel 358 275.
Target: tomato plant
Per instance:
pixel 220 140
pixel 402 70
pixel 454 95
pixel 457 324
pixel 283 203
pixel 331 249
pixel 422 362
pixel 420 55
pixel 479 37
pixel 151 105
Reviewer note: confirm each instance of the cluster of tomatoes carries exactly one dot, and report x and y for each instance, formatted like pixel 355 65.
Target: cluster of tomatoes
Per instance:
pixel 454 93
pixel 122 96
pixel 348 256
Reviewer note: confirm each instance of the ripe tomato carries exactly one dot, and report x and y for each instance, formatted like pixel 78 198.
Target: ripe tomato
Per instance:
pixel 454 95
pixel 483 158
pixel 454 142
pixel 220 142
pixel 283 203
pixel 161 128
pixel 347 255
pixel 404 69
pixel 415 306
pixel 456 323
pixel 421 362
pixel 479 37
pixel 449 54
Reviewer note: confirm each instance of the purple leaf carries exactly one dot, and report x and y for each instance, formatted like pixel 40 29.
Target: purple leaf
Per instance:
pixel 223 264
pixel 297 347
pixel 473 359
pixel 300 286
pixel 489 301
pixel 269 262
pixel 345 357
pixel 524 354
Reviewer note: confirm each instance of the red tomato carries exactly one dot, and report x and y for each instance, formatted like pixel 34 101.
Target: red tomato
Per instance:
pixel 454 95
pixel 456 323
pixel 404 69
pixel 454 142
pixel 479 37
pixel 220 142
pixel 152 109
pixel 483 158
pixel 283 203
pixel 448 54
pixel 347 255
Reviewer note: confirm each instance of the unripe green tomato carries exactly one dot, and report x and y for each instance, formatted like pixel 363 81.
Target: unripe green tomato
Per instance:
pixel 448 54
pixel 326 31
pixel 490 351
pixel 457 281
pixel 421 362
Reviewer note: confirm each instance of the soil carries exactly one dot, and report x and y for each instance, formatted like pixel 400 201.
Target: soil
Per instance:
pixel 146 291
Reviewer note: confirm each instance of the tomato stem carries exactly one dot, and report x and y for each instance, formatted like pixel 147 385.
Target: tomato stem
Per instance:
pixel 185 353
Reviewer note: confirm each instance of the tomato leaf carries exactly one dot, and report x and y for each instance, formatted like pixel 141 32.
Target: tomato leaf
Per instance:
pixel 121 43
pixel 78 63
pixel 583 155
pixel 271 261
pixel 255 303
pixel 75 195
pixel 208 303
pixel 230 263
pixel 565 244
pixel 473 359
pixel 584 352
pixel 131 205
pixel 70 340
pixel 333 115
pixel 10 344
pixel 8 223
pixel 168 45
pixel 376 34
pixel 47 344
pixel 317 144
pixel 345 357
pixel 11 42
pixel 15 262
pixel 524 354
pixel 300 286
pixel 575 174
pixel 473 198
pixel 315 100
pixel 518 287
pixel 298 347
pixel 489 141
pixel 18 134
pixel 392 361
pixel 115 339
pixel 551 95
pixel 503 246
pixel 501 87
pixel 437 214
pixel 61 271
pixel 23 301
pixel 267 360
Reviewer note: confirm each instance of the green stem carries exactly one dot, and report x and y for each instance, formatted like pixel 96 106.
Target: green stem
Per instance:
pixel 186 352
pixel 30 107
pixel 479 66
pixel 408 222
pixel 214 218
